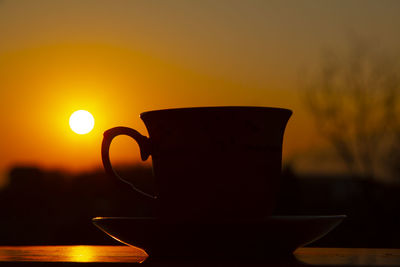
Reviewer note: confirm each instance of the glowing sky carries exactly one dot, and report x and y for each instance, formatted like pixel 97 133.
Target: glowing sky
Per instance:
pixel 117 59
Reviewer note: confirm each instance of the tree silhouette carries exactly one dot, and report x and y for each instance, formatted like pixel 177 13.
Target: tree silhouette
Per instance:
pixel 354 99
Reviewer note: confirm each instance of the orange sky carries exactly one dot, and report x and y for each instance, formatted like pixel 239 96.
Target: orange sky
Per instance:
pixel 117 59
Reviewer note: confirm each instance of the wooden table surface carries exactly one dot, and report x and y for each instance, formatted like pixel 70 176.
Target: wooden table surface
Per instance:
pixel 125 255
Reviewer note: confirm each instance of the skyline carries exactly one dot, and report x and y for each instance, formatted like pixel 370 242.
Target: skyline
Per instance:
pixel 119 59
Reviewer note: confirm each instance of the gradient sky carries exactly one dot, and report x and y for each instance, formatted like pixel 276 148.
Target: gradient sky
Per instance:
pixel 117 59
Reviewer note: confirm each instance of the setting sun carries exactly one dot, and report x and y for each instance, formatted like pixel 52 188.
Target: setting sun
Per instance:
pixel 81 122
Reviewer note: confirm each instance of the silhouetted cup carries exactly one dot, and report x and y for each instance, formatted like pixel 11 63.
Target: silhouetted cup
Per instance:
pixel 219 163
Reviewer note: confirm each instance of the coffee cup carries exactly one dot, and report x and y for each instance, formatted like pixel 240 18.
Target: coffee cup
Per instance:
pixel 222 163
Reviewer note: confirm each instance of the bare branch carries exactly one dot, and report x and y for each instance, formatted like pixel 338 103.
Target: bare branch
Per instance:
pixel 354 100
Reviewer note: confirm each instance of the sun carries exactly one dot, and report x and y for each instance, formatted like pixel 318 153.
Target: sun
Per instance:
pixel 81 122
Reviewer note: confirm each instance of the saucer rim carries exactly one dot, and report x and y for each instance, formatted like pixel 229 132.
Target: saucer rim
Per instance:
pixel 328 223
pixel 273 217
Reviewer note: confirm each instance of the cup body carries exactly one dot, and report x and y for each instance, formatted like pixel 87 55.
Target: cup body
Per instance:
pixel 216 162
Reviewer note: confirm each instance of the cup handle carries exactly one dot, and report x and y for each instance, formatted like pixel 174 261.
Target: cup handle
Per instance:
pixel 144 146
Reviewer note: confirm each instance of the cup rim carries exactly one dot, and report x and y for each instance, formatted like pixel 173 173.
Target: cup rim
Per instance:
pixel 191 109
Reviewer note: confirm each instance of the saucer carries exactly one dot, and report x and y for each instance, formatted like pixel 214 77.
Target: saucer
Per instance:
pixel 272 237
